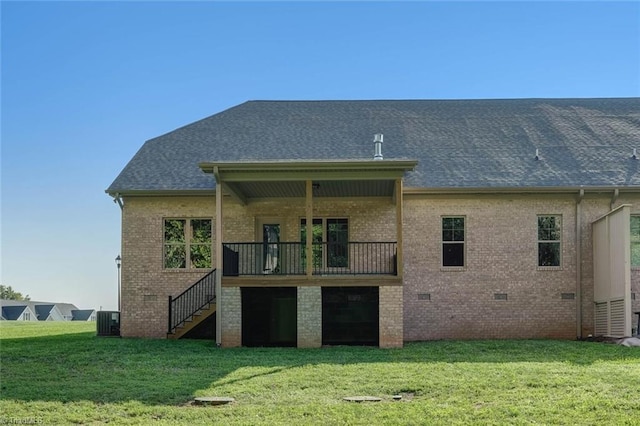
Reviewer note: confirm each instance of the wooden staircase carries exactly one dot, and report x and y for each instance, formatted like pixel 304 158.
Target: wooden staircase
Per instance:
pixel 192 322
pixel 192 306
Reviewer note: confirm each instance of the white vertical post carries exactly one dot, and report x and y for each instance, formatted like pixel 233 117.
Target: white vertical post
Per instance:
pixel 219 264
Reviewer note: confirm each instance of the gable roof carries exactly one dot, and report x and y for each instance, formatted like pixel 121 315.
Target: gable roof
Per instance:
pixel 458 143
pixel 43 311
pixel 66 309
pixel 82 314
pixel 12 312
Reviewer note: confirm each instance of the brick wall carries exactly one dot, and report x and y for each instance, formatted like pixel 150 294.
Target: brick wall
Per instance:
pixel 309 317
pixel 390 317
pixel 146 285
pixel 369 219
pixel 501 259
pixel 231 315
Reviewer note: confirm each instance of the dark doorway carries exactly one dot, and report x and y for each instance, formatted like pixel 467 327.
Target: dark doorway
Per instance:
pixel 269 316
pixel 350 316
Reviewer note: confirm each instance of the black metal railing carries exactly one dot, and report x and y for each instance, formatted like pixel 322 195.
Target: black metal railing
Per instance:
pixel 262 259
pixel 286 258
pixel 190 301
pixel 354 258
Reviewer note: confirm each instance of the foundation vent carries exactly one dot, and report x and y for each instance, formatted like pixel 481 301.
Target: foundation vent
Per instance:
pixel 500 296
pixel 424 296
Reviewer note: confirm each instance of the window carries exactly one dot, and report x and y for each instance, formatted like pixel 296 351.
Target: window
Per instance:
pixel 26 316
pixel 635 240
pixel 332 234
pixel 337 232
pixel 549 235
pixel 187 239
pixel 453 241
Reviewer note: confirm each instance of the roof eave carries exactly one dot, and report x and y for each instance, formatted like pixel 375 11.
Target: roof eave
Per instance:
pixel 519 189
pixel 160 192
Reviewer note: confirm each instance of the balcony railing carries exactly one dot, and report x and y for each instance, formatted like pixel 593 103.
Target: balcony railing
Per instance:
pixel 286 258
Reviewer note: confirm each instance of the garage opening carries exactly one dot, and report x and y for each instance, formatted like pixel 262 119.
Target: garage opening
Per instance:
pixel 350 316
pixel 269 316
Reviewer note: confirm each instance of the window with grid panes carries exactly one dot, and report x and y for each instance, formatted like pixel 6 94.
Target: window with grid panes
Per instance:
pixel 187 243
pixel 549 240
pixel 453 241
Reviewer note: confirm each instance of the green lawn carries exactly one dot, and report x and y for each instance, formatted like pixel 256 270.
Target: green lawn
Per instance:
pixel 60 373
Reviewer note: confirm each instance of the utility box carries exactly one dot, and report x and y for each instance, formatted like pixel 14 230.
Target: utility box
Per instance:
pixel 108 323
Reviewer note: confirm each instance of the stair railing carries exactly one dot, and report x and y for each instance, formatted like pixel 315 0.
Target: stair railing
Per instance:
pixel 190 301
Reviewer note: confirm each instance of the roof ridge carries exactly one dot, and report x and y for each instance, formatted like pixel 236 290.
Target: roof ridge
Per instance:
pixel 435 100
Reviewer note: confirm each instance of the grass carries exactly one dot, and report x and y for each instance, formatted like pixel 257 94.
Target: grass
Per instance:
pixel 60 373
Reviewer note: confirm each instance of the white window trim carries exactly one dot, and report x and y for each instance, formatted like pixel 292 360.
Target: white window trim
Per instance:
pixel 464 245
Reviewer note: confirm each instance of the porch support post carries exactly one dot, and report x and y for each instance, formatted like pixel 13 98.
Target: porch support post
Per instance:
pixel 309 218
pixel 399 201
pixel 219 256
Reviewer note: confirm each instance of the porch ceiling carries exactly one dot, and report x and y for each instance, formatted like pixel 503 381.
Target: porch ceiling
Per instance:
pixel 296 189
pixel 287 179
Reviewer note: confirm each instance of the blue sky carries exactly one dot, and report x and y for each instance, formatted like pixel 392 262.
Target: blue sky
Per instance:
pixel 84 84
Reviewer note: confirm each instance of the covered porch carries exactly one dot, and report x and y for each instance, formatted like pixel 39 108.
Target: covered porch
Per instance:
pixel 307 224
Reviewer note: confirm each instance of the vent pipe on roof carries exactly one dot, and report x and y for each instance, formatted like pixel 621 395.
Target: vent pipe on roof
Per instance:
pixel 537 154
pixel 635 154
pixel 377 144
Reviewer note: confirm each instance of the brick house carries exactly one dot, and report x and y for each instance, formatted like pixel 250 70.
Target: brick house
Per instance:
pixel 309 223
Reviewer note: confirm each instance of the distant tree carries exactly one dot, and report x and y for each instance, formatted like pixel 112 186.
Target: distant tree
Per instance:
pixel 7 293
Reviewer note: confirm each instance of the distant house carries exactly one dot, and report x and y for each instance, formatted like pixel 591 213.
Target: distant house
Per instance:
pixel 66 309
pixel 309 223
pixel 44 311
pixel 18 313
pixel 48 312
pixel 83 315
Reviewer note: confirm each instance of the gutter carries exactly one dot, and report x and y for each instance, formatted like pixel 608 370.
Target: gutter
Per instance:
pixel 162 192
pixel 521 190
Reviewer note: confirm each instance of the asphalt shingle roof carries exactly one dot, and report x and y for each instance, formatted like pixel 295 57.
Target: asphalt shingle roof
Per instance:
pixel 82 314
pixel 458 143
pixel 13 312
pixel 43 311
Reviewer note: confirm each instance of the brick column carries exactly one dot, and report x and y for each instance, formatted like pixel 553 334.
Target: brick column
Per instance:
pixel 309 317
pixel 391 326
pixel 231 324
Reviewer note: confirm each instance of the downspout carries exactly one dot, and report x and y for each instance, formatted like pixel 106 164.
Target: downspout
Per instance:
pixel 117 198
pixel 579 264
pixel 219 257
pixel 616 194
